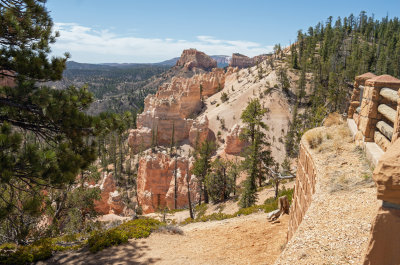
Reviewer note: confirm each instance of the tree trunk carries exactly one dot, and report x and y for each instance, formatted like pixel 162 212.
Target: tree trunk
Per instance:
pixel 276 188
pixel 200 196
pixel 189 199
pixel 205 195
pixel 176 186
pixel 283 204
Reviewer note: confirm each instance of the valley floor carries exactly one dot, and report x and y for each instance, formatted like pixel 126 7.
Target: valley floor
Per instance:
pixel 241 240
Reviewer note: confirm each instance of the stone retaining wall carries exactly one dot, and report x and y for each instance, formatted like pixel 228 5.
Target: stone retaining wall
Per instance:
pixel 304 188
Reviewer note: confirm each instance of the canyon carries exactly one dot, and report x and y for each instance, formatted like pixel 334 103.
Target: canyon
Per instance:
pixel 186 111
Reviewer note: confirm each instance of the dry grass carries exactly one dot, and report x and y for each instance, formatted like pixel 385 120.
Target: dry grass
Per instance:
pixel 314 138
pixel 333 119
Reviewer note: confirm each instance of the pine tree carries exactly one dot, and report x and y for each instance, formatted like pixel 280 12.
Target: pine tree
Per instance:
pixel 256 152
pixel 202 166
pixel 218 181
pixel 46 136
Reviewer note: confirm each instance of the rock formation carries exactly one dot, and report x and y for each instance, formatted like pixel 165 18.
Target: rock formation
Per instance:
pixel 384 242
pixel 193 58
pixel 233 144
pixel 242 61
pixel 169 111
pixel 110 201
pixel 199 132
pixel 6 78
pixel 156 182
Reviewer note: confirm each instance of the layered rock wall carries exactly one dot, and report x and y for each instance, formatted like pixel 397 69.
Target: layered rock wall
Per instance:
pixel 242 61
pixel 304 188
pixel 233 144
pixel 156 182
pixel 168 113
pixel 193 58
pixel 110 200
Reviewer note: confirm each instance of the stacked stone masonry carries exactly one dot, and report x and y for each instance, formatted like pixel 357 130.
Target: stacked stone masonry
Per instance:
pixel 304 188
pixel 378 106
pixel 378 120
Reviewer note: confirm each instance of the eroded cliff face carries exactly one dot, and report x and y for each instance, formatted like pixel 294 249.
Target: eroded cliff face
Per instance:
pixel 156 182
pixel 233 144
pixel 110 199
pixel 168 113
pixel 193 58
pixel 242 61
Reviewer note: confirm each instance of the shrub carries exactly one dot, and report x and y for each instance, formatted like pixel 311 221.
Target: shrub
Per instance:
pixel 133 229
pixel 12 254
pixel 170 229
pixel 314 138
pixel 201 209
pixel 333 119
pixel 269 205
pixel 222 124
pixel 224 97
pixel 100 240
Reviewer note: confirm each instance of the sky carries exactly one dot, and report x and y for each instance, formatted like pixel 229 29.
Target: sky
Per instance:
pixel 148 31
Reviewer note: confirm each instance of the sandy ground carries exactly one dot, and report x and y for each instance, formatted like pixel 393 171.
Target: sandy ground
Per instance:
pixel 241 240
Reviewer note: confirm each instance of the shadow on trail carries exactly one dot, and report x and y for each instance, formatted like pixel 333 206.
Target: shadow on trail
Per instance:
pixel 131 253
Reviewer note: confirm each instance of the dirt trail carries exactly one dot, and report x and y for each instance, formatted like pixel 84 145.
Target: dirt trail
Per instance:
pixel 241 240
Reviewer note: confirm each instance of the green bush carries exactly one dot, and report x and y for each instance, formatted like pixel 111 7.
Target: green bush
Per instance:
pixel 101 240
pixel 269 205
pixel 13 254
pixel 43 249
pixel 224 97
pixel 200 210
pixel 139 228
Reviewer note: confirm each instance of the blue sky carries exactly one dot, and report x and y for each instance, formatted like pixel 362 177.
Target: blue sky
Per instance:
pixel 133 31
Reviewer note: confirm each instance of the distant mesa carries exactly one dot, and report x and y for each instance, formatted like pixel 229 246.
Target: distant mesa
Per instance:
pixel 193 58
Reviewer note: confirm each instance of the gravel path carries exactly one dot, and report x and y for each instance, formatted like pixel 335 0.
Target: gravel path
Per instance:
pixel 336 227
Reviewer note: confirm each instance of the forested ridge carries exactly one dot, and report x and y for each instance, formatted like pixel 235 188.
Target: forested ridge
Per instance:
pixel 335 52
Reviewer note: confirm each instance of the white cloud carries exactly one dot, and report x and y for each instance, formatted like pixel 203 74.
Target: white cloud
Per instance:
pixel 97 46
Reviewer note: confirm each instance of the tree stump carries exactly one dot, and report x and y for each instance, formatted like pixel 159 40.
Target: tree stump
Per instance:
pixel 283 204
